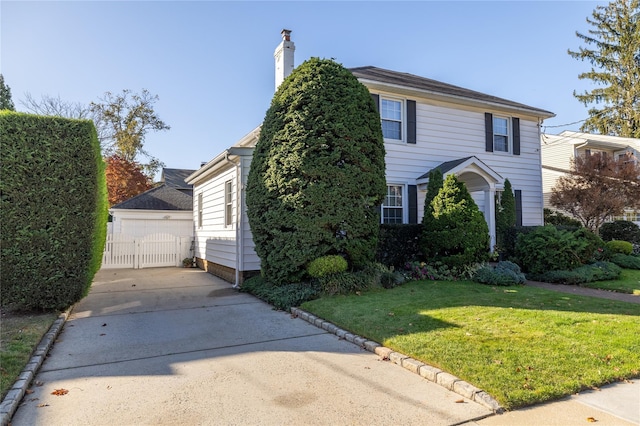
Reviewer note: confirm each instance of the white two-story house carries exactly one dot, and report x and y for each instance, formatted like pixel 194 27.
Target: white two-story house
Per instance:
pixel 480 138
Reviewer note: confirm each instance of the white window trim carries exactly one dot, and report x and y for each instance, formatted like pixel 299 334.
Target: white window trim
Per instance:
pixel 509 135
pixel 200 209
pixel 403 118
pixel 405 202
pixel 228 204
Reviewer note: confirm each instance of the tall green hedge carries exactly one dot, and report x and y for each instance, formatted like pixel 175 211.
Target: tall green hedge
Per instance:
pixel 53 206
pixel 317 175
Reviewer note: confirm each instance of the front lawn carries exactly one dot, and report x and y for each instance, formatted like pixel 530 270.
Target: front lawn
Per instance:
pixel 522 345
pixel 21 333
pixel 629 282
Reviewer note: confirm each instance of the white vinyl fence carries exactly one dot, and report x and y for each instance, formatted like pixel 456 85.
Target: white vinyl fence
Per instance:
pixel 150 251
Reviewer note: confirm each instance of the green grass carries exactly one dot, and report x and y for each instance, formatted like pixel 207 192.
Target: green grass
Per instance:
pixel 629 282
pixel 522 345
pixel 19 336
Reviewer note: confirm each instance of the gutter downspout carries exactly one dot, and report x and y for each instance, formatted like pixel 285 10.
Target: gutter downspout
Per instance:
pixel 238 234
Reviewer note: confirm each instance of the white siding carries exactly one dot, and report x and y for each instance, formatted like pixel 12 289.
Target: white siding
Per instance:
pixel 250 260
pixel 446 133
pixel 215 242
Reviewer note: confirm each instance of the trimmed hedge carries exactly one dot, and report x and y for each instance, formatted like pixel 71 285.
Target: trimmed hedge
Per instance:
pixel 622 230
pixel 325 265
pixel 598 271
pixel 617 246
pixel 54 210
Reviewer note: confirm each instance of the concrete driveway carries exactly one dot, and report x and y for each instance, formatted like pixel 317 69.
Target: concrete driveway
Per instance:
pixel 179 346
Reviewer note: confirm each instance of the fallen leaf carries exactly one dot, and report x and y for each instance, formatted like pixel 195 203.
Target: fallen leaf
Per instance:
pixel 104 325
pixel 391 314
pixel 29 391
pixel 103 334
pixel 59 392
pixel 591 420
pixel 42 405
pixel 459 401
pixel 38 383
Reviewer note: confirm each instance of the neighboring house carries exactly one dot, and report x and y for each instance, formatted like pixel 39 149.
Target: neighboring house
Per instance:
pixel 559 150
pixel 165 209
pixel 481 139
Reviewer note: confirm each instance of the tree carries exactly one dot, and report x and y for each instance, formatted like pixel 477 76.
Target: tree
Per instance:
pixel 318 174
pixel 615 58
pixel 505 214
pixel 597 188
pixel 56 107
pixel 433 188
pixel 122 121
pixel 125 119
pixel 5 96
pixel 125 179
pixel 458 234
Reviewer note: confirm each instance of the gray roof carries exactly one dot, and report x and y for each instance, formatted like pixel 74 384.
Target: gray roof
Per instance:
pixel 438 87
pixel 446 166
pixel 175 177
pixel 161 197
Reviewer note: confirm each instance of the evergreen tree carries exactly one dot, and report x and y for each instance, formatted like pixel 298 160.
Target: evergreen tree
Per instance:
pixel 615 60
pixel 5 96
pixel 458 234
pixel 505 214
pixel 433 187
pixel 318 174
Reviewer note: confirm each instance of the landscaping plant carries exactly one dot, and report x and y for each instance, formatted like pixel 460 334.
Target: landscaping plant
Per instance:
pixel 317 175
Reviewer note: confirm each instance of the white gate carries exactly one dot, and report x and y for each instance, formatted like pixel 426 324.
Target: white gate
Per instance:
pixel 123 251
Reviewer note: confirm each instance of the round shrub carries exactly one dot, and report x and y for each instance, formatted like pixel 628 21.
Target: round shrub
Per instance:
pixel 326 265
pixel 617 246
pixel 622 230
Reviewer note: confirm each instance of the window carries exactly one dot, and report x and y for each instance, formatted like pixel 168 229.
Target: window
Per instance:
pixel 500 134
pixel 391 116
pixel 392 211
pixel 228 204
pixel 200 210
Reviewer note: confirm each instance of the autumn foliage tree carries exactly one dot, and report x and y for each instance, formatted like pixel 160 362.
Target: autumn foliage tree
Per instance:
pixel 598 187
pixel 125 179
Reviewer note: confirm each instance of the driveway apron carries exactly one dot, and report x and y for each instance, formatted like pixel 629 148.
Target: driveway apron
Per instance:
pixel 180 346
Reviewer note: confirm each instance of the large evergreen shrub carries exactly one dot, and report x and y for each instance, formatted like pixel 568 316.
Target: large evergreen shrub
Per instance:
pixel 433 188
pixel 399 244
pixel 317 174
pixel 54 210
pixel 458 234
pixel 549 249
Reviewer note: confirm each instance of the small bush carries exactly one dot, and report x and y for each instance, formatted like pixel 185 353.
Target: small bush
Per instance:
pixel 438 271
pixel 598 271
pixel 282 297
pixel 548 249
pixel 371 276
pixel 505 273
pixel 617 246
pixel 626 261
pixel 327 265
pixel 622 230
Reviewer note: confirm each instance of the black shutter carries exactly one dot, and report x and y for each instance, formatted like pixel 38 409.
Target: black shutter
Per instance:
pixel 376 101
pixel 411 121
pixel 518 197
pixel 488 131
pixel 516 135
pixel 413 203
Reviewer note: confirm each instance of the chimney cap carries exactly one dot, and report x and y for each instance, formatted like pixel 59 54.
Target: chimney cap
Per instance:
pixel 286 34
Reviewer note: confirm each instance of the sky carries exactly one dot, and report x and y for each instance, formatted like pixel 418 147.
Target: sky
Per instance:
pixel 211 62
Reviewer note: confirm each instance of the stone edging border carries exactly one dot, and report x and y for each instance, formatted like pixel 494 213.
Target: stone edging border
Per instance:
pixel 14 396
pixel 449 381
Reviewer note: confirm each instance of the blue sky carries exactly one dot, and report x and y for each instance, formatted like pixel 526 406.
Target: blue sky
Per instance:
pixel 211 62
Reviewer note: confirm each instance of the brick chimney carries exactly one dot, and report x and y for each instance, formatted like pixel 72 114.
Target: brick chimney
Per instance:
pixel 284 57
